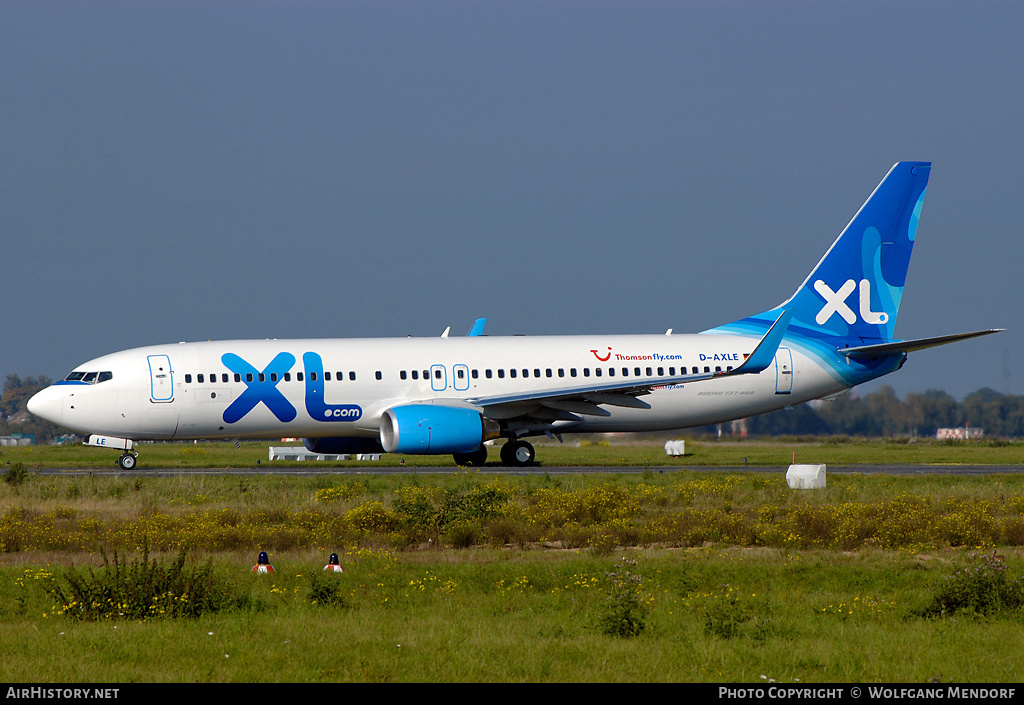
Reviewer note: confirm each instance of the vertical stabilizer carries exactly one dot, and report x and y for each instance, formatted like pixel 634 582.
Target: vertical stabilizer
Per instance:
pixel 854 292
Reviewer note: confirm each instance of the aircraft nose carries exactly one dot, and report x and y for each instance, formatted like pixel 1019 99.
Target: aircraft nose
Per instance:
pixel 47 404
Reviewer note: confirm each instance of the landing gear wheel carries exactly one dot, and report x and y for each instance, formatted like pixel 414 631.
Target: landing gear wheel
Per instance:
pixel 475 458
pixel 517 453
pixel 127 461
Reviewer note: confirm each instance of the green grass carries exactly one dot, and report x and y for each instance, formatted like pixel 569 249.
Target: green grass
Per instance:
pixel 513 616
pixel 731 577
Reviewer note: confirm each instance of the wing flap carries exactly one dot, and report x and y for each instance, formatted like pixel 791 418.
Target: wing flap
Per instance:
pixel 625 393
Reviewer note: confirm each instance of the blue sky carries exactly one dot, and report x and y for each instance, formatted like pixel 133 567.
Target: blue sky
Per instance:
pixel 202 170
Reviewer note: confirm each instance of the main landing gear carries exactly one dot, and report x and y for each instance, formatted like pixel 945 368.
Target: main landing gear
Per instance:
pixel 515 453
pixel 474 458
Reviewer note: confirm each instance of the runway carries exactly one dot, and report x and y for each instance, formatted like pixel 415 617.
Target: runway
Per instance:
pixel 298 470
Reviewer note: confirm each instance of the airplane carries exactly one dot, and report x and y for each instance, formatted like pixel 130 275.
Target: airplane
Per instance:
pixel 451 395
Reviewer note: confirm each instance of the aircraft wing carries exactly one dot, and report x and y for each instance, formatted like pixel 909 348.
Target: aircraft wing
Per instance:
pixel 906 346
pixel 589 398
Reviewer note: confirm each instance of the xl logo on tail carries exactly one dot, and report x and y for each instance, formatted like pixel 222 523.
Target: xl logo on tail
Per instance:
pixel 835 302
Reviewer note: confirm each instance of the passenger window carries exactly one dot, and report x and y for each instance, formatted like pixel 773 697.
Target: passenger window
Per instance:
pixel 707 369
pixel 597 371
pixel 586 371
pixel 248 376
pixel 224 377
pixel 352 376
pixel 287 377
pixel 476 374
pixel 501 374
pixel 487 374
pixel 199 378
pixel 415 374
pixel 263 377
pixel 536 372
pixel 327 376
pixel 273 377
pixel 460 374
pixel 238 377
pixel 312 377
pixel 650 372
pixel 299 376
pixel 572 371
pixel 402 375
pixel 437 374
pixel 512 373
pixel 379 375
pixel 188 379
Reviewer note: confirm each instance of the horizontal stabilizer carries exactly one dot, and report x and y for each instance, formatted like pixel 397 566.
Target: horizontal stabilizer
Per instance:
pixel 906 346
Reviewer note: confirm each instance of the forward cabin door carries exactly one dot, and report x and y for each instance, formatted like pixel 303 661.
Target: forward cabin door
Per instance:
pixel 161 379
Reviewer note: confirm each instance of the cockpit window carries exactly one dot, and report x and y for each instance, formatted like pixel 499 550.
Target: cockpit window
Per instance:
pixel 89 377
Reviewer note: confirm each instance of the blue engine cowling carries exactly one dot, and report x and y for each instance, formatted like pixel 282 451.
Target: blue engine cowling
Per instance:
pixel 341 445
pixel 427 429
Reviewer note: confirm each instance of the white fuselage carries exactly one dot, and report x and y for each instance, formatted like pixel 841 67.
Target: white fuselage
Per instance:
pixel 214 389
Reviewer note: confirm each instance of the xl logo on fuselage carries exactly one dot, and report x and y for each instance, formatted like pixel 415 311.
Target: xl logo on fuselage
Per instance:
pixel 261 387
pixel 835 302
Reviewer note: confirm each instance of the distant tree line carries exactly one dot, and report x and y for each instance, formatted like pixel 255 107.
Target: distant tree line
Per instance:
pixel 14 416
pixel 882 413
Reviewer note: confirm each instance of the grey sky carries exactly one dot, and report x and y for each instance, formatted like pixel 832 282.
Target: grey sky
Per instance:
pixel 194 170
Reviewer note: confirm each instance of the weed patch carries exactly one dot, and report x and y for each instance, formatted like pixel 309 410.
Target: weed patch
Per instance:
pixel 140 589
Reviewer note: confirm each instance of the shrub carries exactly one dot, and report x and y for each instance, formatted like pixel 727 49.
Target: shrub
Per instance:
pixel 325 589
pixel 140 589
pixel 624 614
pixel 982 589
pixel 15 474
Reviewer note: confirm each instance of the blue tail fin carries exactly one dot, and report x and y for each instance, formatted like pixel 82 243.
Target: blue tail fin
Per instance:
pixel 854 292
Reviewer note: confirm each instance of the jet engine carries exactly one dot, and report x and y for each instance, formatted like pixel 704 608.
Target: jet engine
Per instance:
pixel 428 429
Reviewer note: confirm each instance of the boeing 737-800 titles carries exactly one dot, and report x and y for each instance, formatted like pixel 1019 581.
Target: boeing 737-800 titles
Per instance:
pixel 449 395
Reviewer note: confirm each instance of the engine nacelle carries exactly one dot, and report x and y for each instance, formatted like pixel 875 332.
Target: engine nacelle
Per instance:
pixel 428 429
pixel 342 445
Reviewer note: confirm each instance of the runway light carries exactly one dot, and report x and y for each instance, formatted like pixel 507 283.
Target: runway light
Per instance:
pixel 333 566
pixel 263 565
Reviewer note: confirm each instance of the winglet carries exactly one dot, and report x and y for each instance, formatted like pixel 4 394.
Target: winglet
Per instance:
pixel 477 329
pixel 764 353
